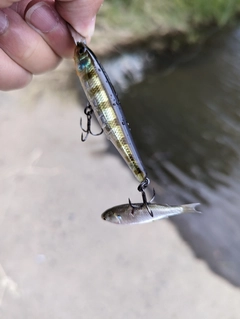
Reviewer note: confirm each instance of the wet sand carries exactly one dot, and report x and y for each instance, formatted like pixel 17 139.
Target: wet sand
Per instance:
pixel 58 259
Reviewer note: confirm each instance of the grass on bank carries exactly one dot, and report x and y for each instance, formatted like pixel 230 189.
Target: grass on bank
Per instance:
pixel 122 19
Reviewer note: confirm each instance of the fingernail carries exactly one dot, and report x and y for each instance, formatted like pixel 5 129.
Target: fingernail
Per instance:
pixel 91 27
pixel 42 17
pixel 3 22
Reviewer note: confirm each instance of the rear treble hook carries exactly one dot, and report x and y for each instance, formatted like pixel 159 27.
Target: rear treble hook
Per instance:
pixel 141 188
pixel 88 111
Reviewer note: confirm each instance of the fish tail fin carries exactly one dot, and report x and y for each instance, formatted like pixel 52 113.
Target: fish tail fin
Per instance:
pixel 191 208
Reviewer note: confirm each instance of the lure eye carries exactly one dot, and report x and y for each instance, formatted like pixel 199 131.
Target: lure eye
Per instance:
pixel 81 48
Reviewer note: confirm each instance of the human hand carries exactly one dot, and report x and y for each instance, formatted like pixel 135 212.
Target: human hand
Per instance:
pixel 34 36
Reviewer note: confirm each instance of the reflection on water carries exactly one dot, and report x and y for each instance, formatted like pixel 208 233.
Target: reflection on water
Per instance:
pixel 186 124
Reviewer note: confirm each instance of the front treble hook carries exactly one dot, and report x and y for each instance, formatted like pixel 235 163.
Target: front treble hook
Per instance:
pixel 141 188
pixel 88 111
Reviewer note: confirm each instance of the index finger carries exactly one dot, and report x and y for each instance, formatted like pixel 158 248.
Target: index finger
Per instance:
pixel 80 14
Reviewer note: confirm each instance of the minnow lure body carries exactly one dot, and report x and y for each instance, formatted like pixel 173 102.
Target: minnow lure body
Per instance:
pixel 139 213
pixel 107 109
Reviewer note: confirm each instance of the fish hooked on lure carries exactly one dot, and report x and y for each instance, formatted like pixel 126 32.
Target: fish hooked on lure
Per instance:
pixel 103 101
pixel 128 214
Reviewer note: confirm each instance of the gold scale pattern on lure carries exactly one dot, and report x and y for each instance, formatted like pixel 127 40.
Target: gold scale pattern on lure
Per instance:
pixel 103 101
pixel 106 106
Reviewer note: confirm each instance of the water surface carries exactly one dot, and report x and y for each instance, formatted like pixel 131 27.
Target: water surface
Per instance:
pixel 184 112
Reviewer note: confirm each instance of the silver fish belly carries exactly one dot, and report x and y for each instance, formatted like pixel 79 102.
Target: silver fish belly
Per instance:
pixel 139 214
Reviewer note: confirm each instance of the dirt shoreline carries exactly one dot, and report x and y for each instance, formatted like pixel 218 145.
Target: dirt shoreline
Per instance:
pixel 58 258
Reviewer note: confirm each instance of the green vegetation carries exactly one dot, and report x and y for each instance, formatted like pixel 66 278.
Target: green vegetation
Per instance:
pixel 169 11
pixel 219 12
pixel 125 20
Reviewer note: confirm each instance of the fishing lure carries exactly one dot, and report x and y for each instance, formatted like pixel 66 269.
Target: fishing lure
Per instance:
pixel 104 103
pixel 138 214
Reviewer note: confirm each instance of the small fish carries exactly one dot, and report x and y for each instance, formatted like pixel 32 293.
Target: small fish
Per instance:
pixel 103 101
pixel 139 214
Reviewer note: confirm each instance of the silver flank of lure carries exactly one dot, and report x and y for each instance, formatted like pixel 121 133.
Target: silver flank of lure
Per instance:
pixel 139 214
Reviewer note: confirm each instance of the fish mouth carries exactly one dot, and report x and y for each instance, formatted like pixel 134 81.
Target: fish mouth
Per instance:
pixel 107 217
pixel 104 217
pixel 112 218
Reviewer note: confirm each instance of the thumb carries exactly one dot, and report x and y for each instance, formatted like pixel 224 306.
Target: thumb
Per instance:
pixel 80 14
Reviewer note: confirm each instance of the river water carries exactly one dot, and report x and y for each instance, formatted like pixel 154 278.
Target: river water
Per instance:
pixel 184 113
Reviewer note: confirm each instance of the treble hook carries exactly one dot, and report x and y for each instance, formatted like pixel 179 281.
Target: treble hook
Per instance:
pixel 141 188
pixel 88 111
